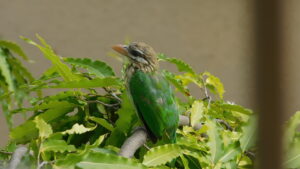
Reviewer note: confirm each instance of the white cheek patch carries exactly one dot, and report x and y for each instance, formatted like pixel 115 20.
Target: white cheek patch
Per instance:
pixel 139 59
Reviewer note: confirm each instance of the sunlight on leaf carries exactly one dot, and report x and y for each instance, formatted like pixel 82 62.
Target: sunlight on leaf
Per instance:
pixel 162 154
pixel 78 129
pixel 45 129
pixel 214 83
pixel 57 146
pixel 197 111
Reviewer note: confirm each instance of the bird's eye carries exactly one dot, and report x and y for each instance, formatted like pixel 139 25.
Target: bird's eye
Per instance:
pixel 136 53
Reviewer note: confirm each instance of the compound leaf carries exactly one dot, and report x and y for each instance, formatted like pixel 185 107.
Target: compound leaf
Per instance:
pixel 98 68
pixel 85 83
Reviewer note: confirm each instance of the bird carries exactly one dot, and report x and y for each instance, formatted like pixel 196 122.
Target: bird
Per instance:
pixel 150 92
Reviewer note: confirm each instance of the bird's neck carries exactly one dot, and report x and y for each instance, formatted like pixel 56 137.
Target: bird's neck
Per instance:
pixel 133 67
pixel 144 67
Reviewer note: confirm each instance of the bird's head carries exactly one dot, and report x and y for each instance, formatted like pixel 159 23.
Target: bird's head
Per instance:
pixel 139 53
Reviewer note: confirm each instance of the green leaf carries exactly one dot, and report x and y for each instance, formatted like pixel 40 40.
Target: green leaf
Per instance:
pixel 71 160
pixel 102 122
pixel 162 154
pixel 27 131
pixel 232 165
pixel 230 152
pixel 78 129
pixel 17 66
pixel 176 82
pixel 292 159
pixel 188 78
pixel 98 68
pixel 14 48
pixel 248 137
pixel 50 71
pixel 185 162
pixel 181 66
pixel 191 143
pixel 196 112
pixel 214 83
pixel 196 160
pixel 291 128
pixel 45 130
pixel 214 142
pixel 45 105
pixel 127 117
pixel 48 52
pixel 85 83
pixel 236 108
pixel 108 161
pixel 56 146
pixel 98 141
pixel 5 70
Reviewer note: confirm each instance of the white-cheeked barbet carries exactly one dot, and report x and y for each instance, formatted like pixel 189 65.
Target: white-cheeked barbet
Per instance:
pixel 151 93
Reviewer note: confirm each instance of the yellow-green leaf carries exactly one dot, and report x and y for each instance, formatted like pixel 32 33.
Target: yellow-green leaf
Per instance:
pixel 13 47
pixel 45 130
pixel 85 83
pixel 181 65
pixel 161 155
pixel 78 129
pixel 102 122
pixel 28 130
pixel 48 52
pixel 98 68
pixel 5 71
pixel 248 137
pixel 108 161
pixel 197 111
pixel 56 146
pixel 214 141
pixel 215 84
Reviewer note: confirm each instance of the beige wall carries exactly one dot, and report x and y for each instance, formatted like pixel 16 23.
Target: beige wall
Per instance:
pixel 214 35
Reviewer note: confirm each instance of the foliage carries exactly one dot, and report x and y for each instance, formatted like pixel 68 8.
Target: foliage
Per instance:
pixel 83 127
pixel 12 76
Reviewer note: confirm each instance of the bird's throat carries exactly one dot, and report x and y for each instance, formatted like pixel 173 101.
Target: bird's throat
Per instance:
pixel 132 68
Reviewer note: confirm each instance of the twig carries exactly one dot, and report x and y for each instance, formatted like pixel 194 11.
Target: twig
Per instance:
pixel 115 96
pixel 184 121
pixel 42 164
pixel 105 104
pixel 5 152
pixel 206 92
pixel 135 141
pixel 139 138
pixel 16 157
pixel 112 94
pixel 251 155
pixel 224 123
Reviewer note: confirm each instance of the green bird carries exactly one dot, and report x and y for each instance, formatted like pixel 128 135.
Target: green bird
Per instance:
pixel 151 93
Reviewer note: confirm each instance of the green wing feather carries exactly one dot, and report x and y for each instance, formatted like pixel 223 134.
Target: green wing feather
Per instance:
pixel 154 100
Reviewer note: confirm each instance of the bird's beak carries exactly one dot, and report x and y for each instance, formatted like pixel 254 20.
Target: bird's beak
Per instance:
pixel 122 49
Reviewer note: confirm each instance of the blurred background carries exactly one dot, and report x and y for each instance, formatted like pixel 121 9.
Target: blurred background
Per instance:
pixel 215 36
